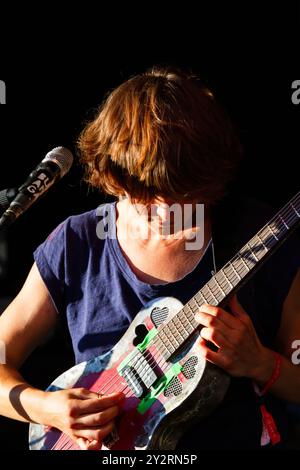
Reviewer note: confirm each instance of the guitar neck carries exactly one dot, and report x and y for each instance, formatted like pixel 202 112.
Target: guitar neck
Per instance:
pixel 233 275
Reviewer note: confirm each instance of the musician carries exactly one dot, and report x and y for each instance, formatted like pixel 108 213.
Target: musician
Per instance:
pixel 159 138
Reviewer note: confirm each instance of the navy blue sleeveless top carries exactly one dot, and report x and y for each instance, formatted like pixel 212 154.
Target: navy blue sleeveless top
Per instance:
pixel 93 286
pixel 91 282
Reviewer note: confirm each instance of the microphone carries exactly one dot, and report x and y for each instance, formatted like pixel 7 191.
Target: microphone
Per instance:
pixel 54 166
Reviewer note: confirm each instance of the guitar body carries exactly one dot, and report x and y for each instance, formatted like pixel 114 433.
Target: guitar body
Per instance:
pixel 163 397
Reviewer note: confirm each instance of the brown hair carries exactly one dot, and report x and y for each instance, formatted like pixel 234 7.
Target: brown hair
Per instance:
pixel 161 134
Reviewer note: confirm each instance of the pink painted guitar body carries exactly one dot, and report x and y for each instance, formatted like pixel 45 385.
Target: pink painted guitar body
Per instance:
pixel 163 397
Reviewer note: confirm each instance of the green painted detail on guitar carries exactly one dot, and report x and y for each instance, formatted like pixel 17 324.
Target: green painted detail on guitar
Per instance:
pixel 141 347
pixel 159 388
pixel 145 343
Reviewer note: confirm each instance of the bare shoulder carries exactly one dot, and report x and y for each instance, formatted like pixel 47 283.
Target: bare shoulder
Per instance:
pixel 28 319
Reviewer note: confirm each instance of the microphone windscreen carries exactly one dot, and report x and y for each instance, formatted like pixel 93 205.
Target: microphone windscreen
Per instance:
pixel 62 156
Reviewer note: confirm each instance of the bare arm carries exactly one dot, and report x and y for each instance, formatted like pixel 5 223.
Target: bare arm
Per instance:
pixel 25 323
pixel 81 414
pixel 288 384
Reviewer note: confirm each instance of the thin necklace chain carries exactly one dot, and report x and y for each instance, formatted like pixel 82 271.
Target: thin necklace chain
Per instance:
pixel 213 257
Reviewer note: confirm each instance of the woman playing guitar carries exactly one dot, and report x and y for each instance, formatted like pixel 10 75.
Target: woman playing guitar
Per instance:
pixel 159 139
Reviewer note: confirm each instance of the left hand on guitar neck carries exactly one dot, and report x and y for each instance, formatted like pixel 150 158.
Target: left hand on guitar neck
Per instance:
pixel 240 351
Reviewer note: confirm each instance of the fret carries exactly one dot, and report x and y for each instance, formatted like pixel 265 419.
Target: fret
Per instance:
pixel 240 258
pixel 219 286
pixel 175 334
pixel 279 224
pixel 169 326
pixel 189 328
pixel 163 345
pixel 209 297
pixel 275 225
pixel 272 232
pixel 165 340
pixel 172 332
pixel 180 327
pixel 244 262
pixel 252 252
pixel 258 249
pixel 295 210
pixel 186 322
pixel 245 259
pixel 193 308
pixel 210 289
pixel 192 303
pixel 167 343
pixel 283 221
pixel 192 320
pixel 265 233
pixel 203 300
pixel 235 271
pixel 166 353
pixel 205 295
pixel 192 326
pixel 226 278
pixel 230 270
pixel 190 317
pixel 186 309
pixel 197 302
pixel 265 245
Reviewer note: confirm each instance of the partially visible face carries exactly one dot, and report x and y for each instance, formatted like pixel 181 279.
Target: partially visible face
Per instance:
pixel 163 210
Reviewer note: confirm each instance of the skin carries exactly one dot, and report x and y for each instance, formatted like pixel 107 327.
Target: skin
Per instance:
pixel 87 417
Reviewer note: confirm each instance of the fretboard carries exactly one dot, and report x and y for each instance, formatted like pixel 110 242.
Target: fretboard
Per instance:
pixel 232 276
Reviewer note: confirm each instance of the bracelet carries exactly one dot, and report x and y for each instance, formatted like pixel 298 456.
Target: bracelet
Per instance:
pixel 275 376
pixel 269 429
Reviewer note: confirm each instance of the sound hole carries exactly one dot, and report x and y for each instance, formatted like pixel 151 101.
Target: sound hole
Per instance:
pixel 159 315
pixel 189 369
pixel 141 332
pixel 174 388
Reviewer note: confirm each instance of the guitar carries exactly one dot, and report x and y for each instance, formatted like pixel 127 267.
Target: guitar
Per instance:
pixel 157 364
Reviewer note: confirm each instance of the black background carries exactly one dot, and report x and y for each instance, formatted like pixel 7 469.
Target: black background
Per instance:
pixel 59 66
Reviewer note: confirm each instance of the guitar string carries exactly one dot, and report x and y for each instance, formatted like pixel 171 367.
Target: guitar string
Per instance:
pixel 71 443
pixel 222 285
pixel 67 437
pixel 243 270
pixel 110 384
pixel 238 265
